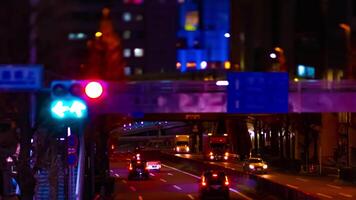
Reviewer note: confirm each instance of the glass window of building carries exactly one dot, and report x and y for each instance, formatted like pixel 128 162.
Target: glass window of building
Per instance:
pixel 139 17
pixel 126 16
pixel 191 21
pixel 127 53
pixel 127 70
pixel 126 34
pixel 138 52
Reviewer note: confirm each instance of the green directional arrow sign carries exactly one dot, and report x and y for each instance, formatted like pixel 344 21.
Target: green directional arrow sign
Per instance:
pixel 68 109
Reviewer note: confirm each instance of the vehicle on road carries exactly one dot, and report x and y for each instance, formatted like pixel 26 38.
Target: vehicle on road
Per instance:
pixel 182 144
pixel 217 148
pixel 255 165
pixel 154 165
pixel 138 170
pixel 214 184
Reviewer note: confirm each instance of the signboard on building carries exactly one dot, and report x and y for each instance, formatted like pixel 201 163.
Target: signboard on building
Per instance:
pixel 257 92
pixel 21 77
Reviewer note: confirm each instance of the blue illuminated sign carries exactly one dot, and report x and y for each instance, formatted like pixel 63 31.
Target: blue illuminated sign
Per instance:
pixel 257 92
pixel 306 71
pixel 21 77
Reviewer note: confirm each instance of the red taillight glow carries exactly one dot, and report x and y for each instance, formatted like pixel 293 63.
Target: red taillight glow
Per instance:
pixel 203 183
pixel 226 181
pixel 215 175
pixel 130 167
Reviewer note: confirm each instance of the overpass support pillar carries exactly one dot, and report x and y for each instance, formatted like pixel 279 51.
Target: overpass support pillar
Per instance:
pixel 328 137
pixel 239 136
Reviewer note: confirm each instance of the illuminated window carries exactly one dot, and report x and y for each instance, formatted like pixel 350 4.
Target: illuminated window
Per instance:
pixel 126 16
pixel 191 21
pixel 126 34
pixel 127 53
pixel 127 70
pixel 139 18
pixel 138 52
pixel 77 36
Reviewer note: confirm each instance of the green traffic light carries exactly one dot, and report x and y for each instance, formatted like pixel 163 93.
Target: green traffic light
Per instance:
pixel 68 109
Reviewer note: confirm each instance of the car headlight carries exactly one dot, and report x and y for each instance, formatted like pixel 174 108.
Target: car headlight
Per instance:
pixel 265 166
pixel 251 166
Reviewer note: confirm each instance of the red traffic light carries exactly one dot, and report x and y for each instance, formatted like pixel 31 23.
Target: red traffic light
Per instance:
pixel 94 89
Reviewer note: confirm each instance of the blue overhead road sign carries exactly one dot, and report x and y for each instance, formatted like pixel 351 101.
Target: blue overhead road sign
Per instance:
pixel 20 77
pixel 257 92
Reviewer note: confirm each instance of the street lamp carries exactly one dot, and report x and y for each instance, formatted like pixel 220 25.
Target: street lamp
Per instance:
pixel 347 30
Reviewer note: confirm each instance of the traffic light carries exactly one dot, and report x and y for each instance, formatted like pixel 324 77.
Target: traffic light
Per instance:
pixel 70 97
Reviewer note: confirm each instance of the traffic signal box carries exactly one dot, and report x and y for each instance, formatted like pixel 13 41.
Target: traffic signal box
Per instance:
pixel 71 97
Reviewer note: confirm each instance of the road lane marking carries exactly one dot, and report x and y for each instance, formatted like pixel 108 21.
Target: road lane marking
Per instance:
pixel 324 195
pixel 345 195
pixel 197 177
pixel 163 180
pixel 190 196
pixel 140 197
pixel 117 175
pixel 302 179
pixel 170 174
pixel 240 194
pixel 292 186
pixel 124 181
pixel 151 174
pixel 189 174
pixel 177 187
pixel 334 186
pixel 132 188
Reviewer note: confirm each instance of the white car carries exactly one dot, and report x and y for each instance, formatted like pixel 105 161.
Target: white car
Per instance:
pixel 154 165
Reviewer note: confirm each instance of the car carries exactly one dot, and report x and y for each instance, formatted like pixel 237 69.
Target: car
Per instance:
pixel 255 165
pixel 138 170
pixel 214 184
pixel 154 165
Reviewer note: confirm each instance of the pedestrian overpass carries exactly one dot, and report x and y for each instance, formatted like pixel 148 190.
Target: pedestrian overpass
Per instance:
pixel 188 98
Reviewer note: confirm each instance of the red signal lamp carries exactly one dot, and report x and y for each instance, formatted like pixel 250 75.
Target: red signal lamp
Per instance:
pixel 94 90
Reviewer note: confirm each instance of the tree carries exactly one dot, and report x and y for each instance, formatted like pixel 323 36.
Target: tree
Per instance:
pixel 105 59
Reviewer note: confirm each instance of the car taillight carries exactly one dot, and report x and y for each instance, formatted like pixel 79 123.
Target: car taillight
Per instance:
pixel 226 181
pixel 215 175
pixel 211 153
pixel 130 167
pixel 203 183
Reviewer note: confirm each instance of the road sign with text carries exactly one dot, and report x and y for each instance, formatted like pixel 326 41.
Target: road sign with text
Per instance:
pixel 21 77
pixel 258 92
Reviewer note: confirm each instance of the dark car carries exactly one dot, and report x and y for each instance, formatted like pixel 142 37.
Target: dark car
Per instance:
pixel 255 165
pixel 138 170
pixel 214 185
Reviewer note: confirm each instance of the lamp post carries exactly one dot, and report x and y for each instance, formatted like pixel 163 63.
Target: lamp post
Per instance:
pixel 347 30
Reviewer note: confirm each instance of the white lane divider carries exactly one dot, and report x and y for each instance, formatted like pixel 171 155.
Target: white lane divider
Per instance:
pixel 151 174
pixel 177 187
pixel 117 175
pixel 163 180
pixel 132 188
pixel 197 177
pixel 190 196
pixel 140 197
pixel 170 174
pixel 292 186
pixel 345 195
pixel 324 195
pixel 124 181
pixel 302 179
pixel 189 174
pixel 240 194
pixel 334 186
